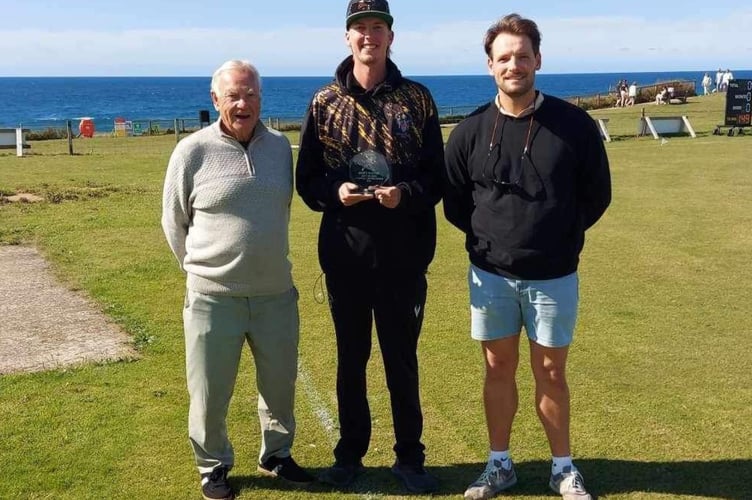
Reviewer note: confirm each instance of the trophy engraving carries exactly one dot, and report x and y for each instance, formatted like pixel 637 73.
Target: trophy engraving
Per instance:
pixel 370 168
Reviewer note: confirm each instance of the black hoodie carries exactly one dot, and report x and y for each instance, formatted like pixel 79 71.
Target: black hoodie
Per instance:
pixel 525 197
pixel 398 119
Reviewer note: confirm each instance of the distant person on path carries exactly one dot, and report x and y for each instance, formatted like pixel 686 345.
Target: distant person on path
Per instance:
pixel 725 79
pixel 706 84
pixel 623 93
pixel 662 97
pixel 718 80
pixel 632 94
pixel 375 245
pixel 527 174
pixel 226 209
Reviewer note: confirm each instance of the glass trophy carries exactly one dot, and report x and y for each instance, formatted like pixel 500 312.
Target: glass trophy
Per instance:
pixel 369 168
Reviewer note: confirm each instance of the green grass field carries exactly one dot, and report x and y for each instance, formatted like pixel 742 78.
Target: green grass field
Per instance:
pixel 659 370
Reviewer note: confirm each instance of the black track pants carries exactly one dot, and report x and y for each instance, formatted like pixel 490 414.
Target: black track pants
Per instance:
pixel 396 305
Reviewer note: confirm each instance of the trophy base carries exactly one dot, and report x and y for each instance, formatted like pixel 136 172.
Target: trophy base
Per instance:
pixel 370 191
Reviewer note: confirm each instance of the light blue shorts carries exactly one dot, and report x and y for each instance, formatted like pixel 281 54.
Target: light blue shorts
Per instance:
pixel 500 307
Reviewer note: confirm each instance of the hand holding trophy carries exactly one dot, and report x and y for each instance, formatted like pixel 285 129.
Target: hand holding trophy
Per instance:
pixel 369 169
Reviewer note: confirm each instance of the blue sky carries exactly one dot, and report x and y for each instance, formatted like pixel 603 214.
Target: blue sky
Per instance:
pixel 306 37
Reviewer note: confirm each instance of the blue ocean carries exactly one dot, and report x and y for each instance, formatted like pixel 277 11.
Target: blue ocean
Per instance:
pixel 39 103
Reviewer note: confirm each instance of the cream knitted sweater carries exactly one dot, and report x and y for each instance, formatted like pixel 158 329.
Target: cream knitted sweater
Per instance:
pixel 226 209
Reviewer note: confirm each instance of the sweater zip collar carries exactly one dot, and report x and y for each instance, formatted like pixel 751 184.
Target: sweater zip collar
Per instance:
pixel 258 131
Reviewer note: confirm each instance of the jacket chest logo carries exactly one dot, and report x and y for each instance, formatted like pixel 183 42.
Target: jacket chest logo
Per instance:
pixel 400 120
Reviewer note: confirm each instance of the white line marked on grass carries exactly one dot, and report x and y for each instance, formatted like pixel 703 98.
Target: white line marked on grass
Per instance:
pixel 321 411
pixel 317 403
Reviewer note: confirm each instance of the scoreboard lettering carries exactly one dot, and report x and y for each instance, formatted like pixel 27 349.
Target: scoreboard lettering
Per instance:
pixel 738 103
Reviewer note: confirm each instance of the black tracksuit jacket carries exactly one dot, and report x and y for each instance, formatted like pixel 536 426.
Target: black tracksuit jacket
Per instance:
pixel 398 119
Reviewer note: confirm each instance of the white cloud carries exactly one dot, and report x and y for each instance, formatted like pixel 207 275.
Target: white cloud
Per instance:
pixel 642 44
pixel 451 48
pixel 570 45
pixel 165 52
pixel 591 44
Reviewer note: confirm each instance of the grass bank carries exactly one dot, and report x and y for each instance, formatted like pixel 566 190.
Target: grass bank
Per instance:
pixel 659 370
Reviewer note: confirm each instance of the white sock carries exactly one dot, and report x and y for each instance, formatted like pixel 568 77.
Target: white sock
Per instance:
pixel 558 464
pixel 501 456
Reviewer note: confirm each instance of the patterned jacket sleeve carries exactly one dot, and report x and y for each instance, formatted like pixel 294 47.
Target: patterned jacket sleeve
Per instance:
pixel 424 192
pixel 315 183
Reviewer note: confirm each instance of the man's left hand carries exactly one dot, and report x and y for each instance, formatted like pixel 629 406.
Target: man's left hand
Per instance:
pixel 388 196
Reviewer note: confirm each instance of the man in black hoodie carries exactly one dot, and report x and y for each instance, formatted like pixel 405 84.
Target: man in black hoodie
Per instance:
pixel 527 174
pixel 377 234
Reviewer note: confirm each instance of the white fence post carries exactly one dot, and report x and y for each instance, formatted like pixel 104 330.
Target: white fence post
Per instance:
pixel 19 141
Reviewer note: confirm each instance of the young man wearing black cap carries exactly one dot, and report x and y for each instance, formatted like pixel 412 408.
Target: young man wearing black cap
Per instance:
pixel 377 234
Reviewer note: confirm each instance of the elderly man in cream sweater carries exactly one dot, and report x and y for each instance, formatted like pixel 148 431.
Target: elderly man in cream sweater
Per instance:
pixel 226 209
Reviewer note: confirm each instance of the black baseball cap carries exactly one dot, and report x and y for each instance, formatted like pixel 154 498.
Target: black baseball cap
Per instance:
pixel 358 9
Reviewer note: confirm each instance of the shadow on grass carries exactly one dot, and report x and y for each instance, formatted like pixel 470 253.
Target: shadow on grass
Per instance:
pixel 712 478
pixel 727 479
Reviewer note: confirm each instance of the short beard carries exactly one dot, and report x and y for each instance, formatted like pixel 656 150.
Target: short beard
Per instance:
pixel 517 91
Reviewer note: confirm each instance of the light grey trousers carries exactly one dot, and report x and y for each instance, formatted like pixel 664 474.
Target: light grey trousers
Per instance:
pixel 216 328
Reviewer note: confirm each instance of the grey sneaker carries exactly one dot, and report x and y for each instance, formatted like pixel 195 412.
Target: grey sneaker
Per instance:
pixel 492 481
pixel 570 485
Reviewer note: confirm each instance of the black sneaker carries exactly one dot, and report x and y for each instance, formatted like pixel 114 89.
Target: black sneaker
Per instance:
pixel 287 469
pixel 341 474
pixel 214 485
pixel 416 478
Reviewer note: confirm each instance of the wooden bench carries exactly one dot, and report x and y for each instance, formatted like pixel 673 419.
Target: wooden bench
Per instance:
pixel 679 99
pixel 665 125
pixel 676 97
pixel 8 138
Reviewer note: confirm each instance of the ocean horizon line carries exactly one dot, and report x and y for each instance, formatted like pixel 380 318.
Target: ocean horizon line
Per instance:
pixel 432 75
pixel 46 102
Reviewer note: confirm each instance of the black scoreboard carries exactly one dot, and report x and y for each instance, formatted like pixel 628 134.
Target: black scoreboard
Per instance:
pixel 738 103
